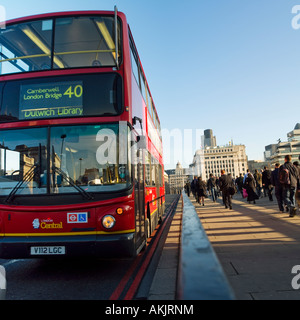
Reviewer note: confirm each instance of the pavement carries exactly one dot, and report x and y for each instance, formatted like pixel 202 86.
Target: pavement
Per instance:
pixel 164 285
pixel 258 248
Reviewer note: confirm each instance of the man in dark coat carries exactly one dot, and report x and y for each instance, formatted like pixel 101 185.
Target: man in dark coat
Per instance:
pixel 201 190
pixel 193 186
pixel 278 187
pixel 258 180
pixel 250 186
pixel 296 164
pixel 289 189
pixel 211 186
pixel 225 182
pixel 266 182
pixel 187 188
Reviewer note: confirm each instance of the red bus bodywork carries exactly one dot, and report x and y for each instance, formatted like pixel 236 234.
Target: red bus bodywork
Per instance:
pixel 56 230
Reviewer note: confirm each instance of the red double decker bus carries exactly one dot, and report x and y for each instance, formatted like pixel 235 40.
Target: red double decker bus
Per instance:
pixel 81 166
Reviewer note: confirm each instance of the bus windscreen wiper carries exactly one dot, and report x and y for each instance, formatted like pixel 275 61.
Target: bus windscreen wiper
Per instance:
pixel 26 178
pixel 85 194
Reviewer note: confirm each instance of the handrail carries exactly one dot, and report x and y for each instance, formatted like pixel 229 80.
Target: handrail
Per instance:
pixel 26 57
pixel 200 275
pixel 82 51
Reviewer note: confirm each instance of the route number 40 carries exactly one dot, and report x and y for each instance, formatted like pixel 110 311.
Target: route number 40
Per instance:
pixel 77 92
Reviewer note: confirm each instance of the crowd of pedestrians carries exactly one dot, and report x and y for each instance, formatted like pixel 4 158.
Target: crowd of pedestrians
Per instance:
pixel 214 187
pixel 283 181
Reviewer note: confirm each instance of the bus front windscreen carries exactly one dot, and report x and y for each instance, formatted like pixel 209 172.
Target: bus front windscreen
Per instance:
pixel 62 160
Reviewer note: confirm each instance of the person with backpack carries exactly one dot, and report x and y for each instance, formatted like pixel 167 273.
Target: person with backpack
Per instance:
pixel 288 178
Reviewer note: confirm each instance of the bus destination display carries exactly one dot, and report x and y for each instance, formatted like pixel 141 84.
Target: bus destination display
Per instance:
pixel 51 100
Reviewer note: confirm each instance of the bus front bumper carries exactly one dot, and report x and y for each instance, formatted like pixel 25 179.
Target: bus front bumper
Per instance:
pixel 106 246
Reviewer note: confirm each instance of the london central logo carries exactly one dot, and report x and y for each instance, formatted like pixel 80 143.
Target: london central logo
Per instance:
pixel 46 224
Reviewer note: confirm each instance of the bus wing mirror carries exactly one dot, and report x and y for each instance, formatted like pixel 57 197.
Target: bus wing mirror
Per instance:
pixel 137 119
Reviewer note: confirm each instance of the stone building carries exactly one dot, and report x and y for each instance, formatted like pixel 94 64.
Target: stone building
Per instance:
pixel 178 179
pixel 231 158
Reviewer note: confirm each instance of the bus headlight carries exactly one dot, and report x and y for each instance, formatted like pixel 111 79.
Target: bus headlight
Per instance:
pixel 108 221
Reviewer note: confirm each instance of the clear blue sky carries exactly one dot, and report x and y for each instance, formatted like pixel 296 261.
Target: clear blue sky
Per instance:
pixel 228 65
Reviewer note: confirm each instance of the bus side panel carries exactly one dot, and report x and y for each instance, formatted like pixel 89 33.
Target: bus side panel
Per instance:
pixel 1 224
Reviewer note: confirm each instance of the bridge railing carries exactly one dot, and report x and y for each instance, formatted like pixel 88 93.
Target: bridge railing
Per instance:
pixel 200 275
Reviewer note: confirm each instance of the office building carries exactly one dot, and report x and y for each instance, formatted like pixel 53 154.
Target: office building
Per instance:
pixel 289 147
pixel 212 159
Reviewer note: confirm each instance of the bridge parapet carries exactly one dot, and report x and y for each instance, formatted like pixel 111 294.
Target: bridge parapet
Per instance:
pixel 200 275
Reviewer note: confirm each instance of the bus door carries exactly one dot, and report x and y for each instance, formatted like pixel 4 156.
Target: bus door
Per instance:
pixel 139 188
pixel 157 183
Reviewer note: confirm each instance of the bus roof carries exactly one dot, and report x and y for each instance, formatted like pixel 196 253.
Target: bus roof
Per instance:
pixel 62 14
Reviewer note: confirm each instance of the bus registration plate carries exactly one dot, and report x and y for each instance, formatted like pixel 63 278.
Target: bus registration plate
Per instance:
pixel 47 250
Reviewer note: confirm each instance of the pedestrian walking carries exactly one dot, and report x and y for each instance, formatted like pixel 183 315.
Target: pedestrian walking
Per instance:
pixel 297 196
pixel 226 183
pixel 239 184
pixel 193 187
pixel 288 177
pixel 201 191
pixel 218 187
pixel 212 187
pixel 278 187
pixel 245 175
pixel 187 188
pixel 266 182
pixel 258 180
pixel 250 187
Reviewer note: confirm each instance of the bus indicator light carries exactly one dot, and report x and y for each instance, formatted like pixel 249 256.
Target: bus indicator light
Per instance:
pixel 119 211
